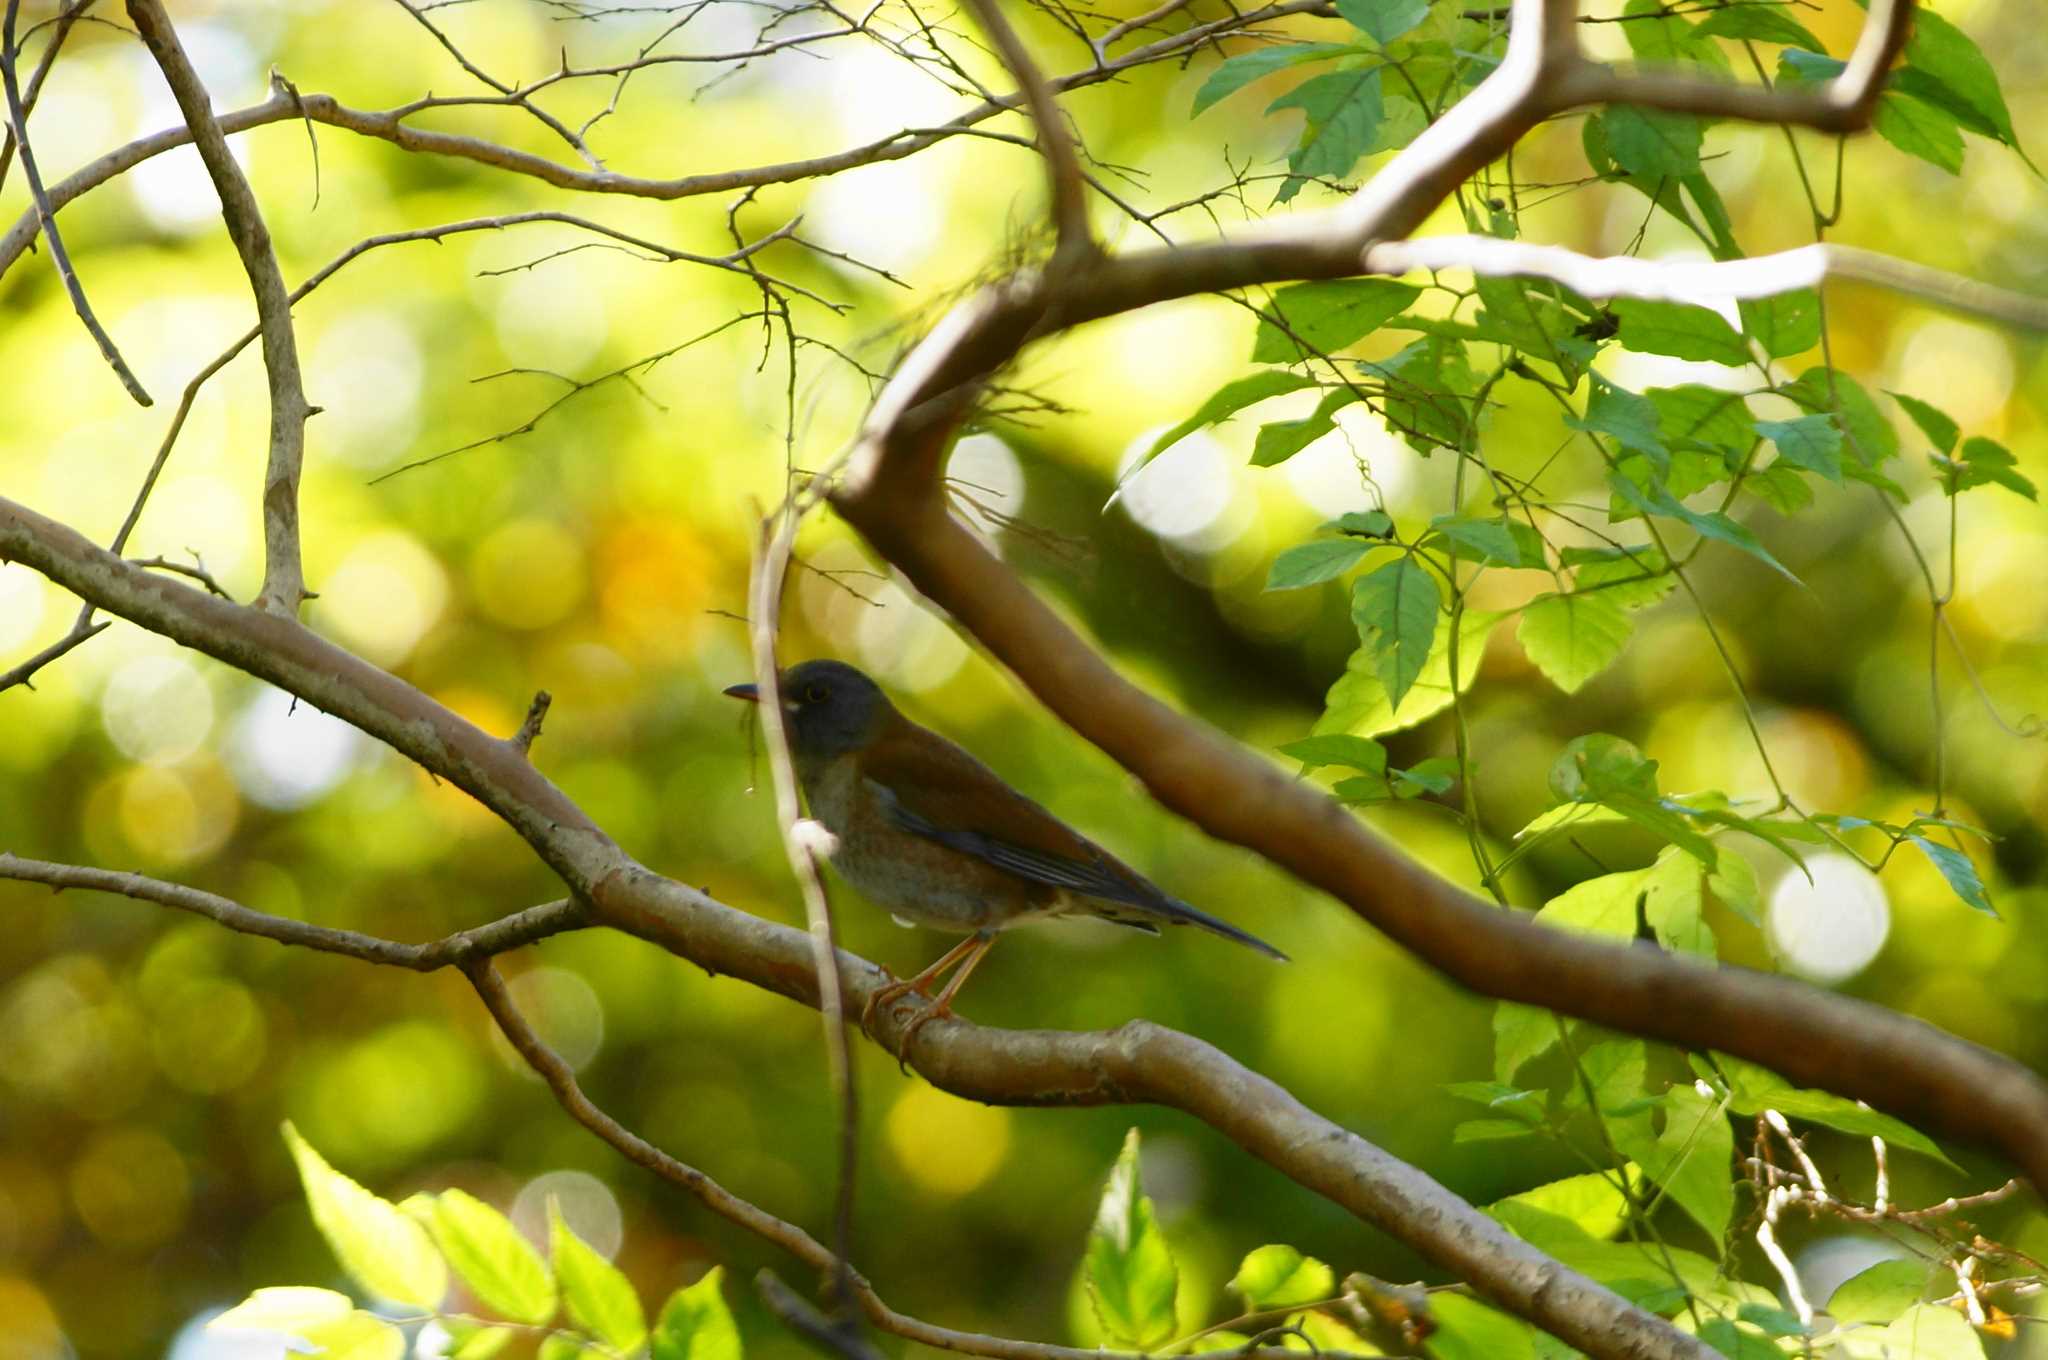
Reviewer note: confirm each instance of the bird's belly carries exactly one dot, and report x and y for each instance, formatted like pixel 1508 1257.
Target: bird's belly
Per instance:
pixel 912 877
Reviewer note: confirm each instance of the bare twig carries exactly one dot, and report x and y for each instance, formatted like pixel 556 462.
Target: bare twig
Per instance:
pixel 1758 276
pixel 797 1314
pixel 764 608
pixel 44 212
pixel 25 673
pixel 66 19
pixel 1064 177
pixel 284 582
pixel 529 730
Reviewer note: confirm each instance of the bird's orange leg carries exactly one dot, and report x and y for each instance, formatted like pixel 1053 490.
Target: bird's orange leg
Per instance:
pixel 942 1008
pixel 890 993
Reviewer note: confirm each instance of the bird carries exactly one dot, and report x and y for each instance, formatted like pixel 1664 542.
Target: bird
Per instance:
pixel 936 838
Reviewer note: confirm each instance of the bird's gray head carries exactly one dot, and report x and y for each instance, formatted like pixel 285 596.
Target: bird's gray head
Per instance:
pixel 832 708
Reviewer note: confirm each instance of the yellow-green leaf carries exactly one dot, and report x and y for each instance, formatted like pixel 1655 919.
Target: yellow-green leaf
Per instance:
pixel 1132 1278
pixel 288 1309
pixel 696 1324
pixel 1278 1276
pixel 498 1264
pixel 387 1253
pixel 597 1293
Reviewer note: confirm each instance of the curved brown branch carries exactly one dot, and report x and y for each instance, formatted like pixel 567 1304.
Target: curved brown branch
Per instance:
pixel 892 494
pixel 284 581
pixel 1066 185
pixel 1140 1062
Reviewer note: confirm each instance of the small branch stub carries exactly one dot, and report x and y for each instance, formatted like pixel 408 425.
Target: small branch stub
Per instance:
pixel 529 731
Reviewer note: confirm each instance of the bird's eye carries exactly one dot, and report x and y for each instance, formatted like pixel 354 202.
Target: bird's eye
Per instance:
pixel 814 694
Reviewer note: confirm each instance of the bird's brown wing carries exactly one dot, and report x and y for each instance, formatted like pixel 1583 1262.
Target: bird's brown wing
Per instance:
pixel 931 788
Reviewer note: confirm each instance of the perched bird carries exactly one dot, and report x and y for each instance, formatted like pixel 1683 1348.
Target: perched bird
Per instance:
pixel 937 838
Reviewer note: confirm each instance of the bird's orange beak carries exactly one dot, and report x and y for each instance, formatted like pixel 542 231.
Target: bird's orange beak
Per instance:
pixel 748 691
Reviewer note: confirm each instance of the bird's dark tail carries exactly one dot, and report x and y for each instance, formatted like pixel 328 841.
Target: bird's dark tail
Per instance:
pixel 1176 912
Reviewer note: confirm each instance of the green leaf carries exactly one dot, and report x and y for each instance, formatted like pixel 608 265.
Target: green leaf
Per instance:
pixel 1591 1204
pixel 1935 423
pixel 1734 886
pixel 1240 71
pixel 1781 486
pixel 1395 608
pixel 1227 401
pixel 1628 419
pixel 1338 748
pixel 1282 439
pixel 1572 638
pixel 1786 324
pixel 1343 109
pixel 1567 815
pixel 1696 416
pixel 1759 23
pixel 1308 564
pixel 385 1252
pixel 469 1341
pixel 1926 1331
pixel 498 1264
pixel 1274 1277
pixel 1495 542
pixel 1435 775
pixel 1132 1279
pixel 1920 129
pixel 599 1297
pixel 1753 1089
pixel 1985 461
pixel 1364 523
pixel 1630 577
pixel 696 1324
pixel 1327 316
pixel 1650 143
pixel 291 1309
pixel 1385 20
pixel 1738 1343
pixel 1489 1130
pixel 1871 438
pixel 1429 391
pixel 1598 768
pixel 1810 442
pixel 1881 1292
pixel 1679 329
pixel 1945 68
pixel 1469 1330
pixel 1692 1157
pixel 1710 524
pixel 1955 866
pixel 1807 68
pixel 1674 901
pixel 1357 703
pixel 359 1336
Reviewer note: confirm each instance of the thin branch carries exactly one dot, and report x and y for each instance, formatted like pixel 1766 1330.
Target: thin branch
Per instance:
pixel 1065 181
pixel 44 212
pixel 797 1314
pixel 1758 276
pixel 65 20
pixel 284 582
pixel 529 730
pixel 81 632
pixel 764 609
pixel 498 937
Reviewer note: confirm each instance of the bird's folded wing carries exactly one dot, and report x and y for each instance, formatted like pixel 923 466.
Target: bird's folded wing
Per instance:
pixel 934 789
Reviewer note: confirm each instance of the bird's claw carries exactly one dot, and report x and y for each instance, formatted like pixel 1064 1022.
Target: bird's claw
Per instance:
pixel 888 994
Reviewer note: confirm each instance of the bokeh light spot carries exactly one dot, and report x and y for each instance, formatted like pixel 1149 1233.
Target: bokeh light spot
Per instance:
pixel 563 1009
pixel 551 319
pixel 286 754
pixel 588 1206
pixel 1185 494
pixel 21 606
pixel 367 368
pixel 28 1325
pixel 383 596
pixel 131 1188
pixel 527 574
pixel 157 709
pixel 946 1145
pixel 1831 926
pixel 208 1035
pixel 174 816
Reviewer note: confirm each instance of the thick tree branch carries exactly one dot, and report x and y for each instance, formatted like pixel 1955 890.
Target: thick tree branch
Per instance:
pixel 1138 1063
pixel 284 582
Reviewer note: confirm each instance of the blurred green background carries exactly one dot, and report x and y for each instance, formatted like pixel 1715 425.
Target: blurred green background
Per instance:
pixel 146 1061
